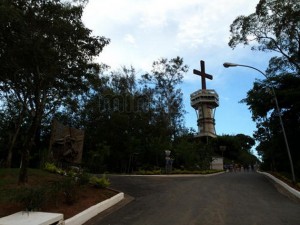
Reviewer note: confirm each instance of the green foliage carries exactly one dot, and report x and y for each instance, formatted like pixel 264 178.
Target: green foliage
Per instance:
pixel 50 167
pixel 45 188
pixel 167 97
pixel 191 154
pixel 129 109
pixel 98 182
pixel 74 173
pixel 41 64
pixel 32 199
pixel 83 178
pixel 70 190
pixel 149 172
pixel 237 148
pixel 274 26
pixel 96 157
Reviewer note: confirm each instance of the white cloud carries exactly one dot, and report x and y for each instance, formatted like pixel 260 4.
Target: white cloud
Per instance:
pixel 162 28
pixel 129 39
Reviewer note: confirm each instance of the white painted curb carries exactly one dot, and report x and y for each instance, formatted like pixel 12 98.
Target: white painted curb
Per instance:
pixel 89 213
pixel 287 187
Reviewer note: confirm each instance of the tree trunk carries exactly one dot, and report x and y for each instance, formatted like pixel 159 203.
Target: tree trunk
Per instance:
pixel 28 145
pixel 11 146
pixel 14 138
pixel 23 174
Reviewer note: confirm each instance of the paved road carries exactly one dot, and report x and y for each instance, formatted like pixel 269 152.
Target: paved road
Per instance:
pixel 230 198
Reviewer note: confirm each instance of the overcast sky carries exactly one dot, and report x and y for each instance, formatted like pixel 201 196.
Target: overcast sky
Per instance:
pixel 142 31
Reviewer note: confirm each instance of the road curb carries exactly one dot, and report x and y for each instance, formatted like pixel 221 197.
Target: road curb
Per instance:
pixel 284 185
pixel 89 213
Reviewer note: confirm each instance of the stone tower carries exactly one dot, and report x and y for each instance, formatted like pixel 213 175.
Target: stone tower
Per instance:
pixel 205 101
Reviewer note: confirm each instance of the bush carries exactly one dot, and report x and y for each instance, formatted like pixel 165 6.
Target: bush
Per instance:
pixel 98 182
pixel 32 198
pixel 69 188
pixel 150 172
pixel 53 191
pixel 50 167
pixel 83 178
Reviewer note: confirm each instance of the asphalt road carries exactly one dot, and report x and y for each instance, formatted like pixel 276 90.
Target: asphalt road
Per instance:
pixel 229 198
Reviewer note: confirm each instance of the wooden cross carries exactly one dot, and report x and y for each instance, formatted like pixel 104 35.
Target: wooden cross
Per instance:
pixel 203 75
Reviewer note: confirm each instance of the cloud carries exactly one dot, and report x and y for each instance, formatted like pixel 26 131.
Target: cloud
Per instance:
pixel 129 39
pixel 154 28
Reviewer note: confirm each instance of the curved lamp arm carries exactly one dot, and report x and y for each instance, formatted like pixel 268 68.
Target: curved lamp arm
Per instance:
pixel 227 64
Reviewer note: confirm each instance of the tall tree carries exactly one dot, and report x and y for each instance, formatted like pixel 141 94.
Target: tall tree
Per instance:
pixel 46 54
pixel 237 148
pixel 165 79
pixel 117 108
pixel 275 27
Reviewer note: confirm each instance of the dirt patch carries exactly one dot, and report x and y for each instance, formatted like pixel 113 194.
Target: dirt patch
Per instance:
pixel 86 198
pixel 85 195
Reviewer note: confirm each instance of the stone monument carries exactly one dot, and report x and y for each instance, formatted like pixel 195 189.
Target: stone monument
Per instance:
pixel 205 101
pixel 66 143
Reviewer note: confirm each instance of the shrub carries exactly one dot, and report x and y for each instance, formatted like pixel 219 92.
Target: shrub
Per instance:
pixel 98 182
pixel 32 198
pixel 150 172
pixel 50 167
pixel 69 188
pixel 83 178
pixel 54 189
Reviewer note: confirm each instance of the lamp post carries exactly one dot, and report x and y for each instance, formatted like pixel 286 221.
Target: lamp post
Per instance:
pixel 226 65
pixel 168 160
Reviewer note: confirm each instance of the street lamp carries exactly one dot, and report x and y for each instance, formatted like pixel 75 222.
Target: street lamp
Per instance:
pixel 227 64
pixel 168 160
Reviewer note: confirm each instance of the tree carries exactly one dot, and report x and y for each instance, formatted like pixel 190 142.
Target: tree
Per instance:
pixel 46 55
pixel 116 108
pixel 165 77
pixel 123 108
pixel 269 133
pixel 189 153
pixel 275 27
pixel 238 148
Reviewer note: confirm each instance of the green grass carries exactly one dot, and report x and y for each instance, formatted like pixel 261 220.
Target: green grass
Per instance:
pixel 8 176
